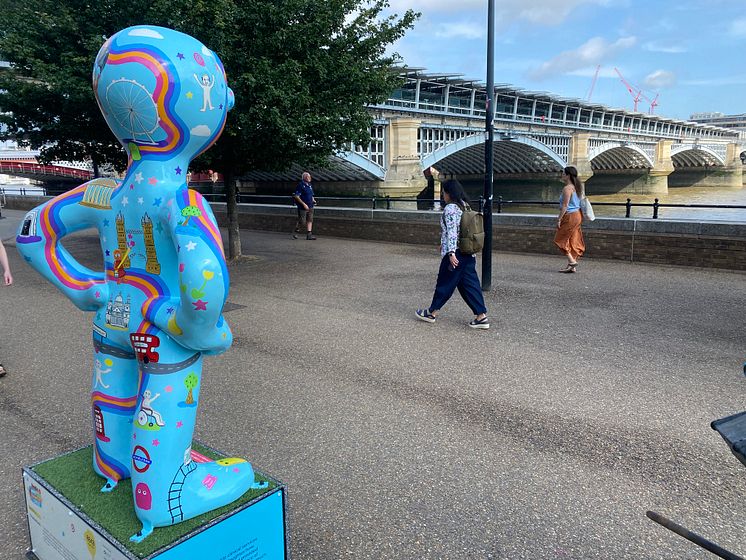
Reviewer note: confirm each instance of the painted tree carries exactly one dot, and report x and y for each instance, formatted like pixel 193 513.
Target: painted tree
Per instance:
pixel 190 212
pixel 303 72
pixel 190 382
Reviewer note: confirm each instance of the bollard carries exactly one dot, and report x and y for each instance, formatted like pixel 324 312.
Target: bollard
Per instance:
pixel 481 204
pixel 374 203
pixel 388 202
pixel 629 207
pixel 655 209
pixel 499 204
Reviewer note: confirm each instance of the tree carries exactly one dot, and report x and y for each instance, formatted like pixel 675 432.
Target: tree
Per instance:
pixel 190 212
pixel 302 72
pixel 190 382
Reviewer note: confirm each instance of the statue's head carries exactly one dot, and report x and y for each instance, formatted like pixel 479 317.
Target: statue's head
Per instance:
pixel 163 93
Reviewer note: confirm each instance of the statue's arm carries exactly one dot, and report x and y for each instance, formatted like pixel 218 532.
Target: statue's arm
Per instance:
pixel 195 319
pixel 39 242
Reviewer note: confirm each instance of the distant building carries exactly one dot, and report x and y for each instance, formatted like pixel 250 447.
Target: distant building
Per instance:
pixel 737 122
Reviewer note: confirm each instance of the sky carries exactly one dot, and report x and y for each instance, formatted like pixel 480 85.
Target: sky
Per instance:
pixel 690 53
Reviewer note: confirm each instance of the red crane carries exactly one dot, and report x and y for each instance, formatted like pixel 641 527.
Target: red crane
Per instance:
pixel 593 83
pixel 653 102
pixel 636 93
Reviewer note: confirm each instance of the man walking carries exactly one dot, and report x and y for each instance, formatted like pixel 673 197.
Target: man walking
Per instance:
pixel 305 202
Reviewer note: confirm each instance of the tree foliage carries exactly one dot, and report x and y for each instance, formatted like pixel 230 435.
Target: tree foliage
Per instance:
pixel 302 72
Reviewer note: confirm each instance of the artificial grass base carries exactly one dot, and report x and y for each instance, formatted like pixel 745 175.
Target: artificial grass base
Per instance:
pixel 72 476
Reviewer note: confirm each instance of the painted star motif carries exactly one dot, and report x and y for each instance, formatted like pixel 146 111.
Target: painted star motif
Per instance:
pixel 132 186
pixel 157 201
pixel 125 201
pixel 169 388
pixel 178 170
pixel 179 424
pixel 170 310
pixel 132 243
pixel 220 106
pixel 140 200
pixel 189 95
pixel 129 236
pixel 28 259
pixel 138 178
pixel 103 239
pixel 191 246
pixel 180 56
pixel 108 253
pixel 236 470
pixel 106 223
pixel 153 181
pixel 200 305
pixel 134 436
pixel 156 443
pixel 97 294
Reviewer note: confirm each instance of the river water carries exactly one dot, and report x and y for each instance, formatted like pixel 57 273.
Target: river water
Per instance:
pixel 715 196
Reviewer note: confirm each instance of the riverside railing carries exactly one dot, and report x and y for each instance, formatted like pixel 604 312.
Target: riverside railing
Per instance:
pixel 387 203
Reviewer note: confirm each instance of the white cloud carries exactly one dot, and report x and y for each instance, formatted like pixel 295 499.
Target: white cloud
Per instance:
pixel 660 79
pixel 461 31
pixel 592 52
pixel 145 32
pixel 206 51
pixel 654 46
pixel 201 130
pixel 738 27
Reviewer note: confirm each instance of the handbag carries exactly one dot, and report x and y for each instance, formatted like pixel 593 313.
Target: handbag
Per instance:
pixel 588 214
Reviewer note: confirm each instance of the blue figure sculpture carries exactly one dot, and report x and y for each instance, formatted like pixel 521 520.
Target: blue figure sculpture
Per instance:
pixel 158 303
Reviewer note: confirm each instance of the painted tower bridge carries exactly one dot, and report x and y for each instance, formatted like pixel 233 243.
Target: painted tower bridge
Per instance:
pixel 437 120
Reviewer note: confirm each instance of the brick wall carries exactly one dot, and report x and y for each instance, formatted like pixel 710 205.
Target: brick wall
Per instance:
pixel 702 244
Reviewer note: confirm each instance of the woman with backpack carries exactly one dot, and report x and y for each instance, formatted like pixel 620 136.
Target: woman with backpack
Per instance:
pixel 569 237
pixel 457 270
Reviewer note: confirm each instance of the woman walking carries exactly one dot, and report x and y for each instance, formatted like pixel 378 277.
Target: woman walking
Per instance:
pixel 457 270
pixel 569 237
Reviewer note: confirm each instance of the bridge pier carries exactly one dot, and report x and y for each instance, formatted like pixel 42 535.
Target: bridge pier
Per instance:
pixel 577 155
pixel 404 178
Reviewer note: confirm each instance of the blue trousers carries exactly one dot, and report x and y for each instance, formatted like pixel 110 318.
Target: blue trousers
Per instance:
pixel 464 277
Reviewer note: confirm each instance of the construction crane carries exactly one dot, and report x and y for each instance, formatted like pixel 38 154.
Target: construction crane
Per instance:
pixel 636 93
pixel 653 102
pixel 593 83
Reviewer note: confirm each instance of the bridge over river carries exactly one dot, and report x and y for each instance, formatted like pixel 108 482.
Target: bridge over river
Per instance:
pixel 438 120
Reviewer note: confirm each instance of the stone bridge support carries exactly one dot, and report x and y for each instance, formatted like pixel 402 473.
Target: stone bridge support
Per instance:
pixel 657 178
pixel 404 176
pixel 577 155
pixel 733 176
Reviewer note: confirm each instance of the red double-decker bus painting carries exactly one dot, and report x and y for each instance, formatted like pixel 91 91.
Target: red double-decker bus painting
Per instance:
pixel 144 345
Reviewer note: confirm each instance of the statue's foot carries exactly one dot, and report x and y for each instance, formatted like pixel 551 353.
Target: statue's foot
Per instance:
pixel 215 484
pixel 109 486
pixel 147 528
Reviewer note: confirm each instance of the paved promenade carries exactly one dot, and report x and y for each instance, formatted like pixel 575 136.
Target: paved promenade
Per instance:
pixel 587 403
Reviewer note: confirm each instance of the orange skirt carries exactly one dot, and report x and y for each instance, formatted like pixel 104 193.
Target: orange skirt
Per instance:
pixel 569 237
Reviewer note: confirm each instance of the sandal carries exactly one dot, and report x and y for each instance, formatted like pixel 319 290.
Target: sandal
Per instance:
pixel 570 268
pixel 425 315
pixel 3 371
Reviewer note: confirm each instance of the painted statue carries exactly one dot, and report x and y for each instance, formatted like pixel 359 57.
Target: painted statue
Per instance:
pixel 158 304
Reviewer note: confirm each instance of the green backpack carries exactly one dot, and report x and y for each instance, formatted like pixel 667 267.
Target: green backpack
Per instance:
pixel 471 231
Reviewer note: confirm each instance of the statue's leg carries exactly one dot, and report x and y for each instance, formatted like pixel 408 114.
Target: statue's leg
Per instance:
pixel 169 484
pixel 113 408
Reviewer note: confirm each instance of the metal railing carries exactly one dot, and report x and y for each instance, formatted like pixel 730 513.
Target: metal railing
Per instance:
pixel 387 203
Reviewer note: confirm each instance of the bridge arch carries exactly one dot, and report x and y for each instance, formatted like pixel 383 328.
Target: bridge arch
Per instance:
pixel 618 155
pixel 363 163
pixel 513 154
pixel 695 156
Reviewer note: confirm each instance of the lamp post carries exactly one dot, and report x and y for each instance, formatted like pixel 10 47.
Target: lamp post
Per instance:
pixel 488 155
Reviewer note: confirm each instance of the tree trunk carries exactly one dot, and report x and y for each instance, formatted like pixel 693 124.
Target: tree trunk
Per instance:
pixel 234 234
pixel 190 398
pixel 94 162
